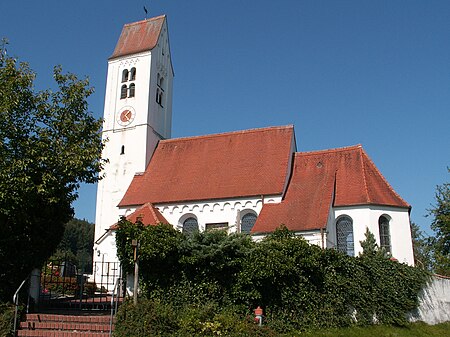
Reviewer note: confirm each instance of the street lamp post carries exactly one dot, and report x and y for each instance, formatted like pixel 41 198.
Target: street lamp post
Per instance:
pixel 135 245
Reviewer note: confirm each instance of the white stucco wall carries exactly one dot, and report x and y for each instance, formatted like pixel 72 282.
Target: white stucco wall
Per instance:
pixel 434 302
pixel 367 217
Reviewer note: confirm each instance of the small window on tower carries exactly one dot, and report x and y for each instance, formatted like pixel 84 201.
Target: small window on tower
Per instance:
pixel 122 150
pixel 133 74
pixel 160 82
pixel 132 89
pixel 123 91
pixel 159 96
pixel 124 75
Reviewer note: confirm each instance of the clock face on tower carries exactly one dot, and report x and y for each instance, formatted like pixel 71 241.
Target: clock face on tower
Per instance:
pixel 125 116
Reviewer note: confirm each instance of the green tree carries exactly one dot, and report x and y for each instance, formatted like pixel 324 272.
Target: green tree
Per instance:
pixel 370 247
pixel 441 226
pixel 77 244
pixel 422 247
pixel 49 144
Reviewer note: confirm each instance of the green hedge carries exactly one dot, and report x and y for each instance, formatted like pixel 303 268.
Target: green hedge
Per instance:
pixel 299 286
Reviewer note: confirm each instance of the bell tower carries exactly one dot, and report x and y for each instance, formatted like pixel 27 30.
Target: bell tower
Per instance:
pixel 137 114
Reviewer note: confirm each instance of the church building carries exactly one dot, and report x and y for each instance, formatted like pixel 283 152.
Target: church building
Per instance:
pixel 249 181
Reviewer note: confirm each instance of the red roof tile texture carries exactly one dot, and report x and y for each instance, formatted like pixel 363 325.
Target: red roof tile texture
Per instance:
pixel 147 214
pixel 346 175
pixel 236 164
pixel 139 36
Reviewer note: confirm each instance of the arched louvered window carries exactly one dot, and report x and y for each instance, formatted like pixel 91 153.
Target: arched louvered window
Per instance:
pixel 385 237
pixel 344 235
pixel 123 91
pixel 131 90
pixel 133 74
pixel 124 75
pixel 247 222
pixel 190 225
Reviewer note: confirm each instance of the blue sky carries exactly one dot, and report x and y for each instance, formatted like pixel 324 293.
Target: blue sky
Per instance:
pixel 375 73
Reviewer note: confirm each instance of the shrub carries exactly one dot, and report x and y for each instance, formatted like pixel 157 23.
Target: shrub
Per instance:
pixel 211 279
pixel 154 318
pixel 6 319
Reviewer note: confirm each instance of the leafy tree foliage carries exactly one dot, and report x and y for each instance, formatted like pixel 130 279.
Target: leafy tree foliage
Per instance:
pixel 49 144
pixel 423 248
pixel 441 226
pixel 77 244
pixel 300 286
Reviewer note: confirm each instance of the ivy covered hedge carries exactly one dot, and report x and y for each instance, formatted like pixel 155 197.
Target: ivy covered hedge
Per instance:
pixel 299 286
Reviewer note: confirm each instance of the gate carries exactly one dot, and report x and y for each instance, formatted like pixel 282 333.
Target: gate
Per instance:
pixel 64 286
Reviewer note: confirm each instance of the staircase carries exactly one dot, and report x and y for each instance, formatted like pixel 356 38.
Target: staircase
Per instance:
pixel 51 325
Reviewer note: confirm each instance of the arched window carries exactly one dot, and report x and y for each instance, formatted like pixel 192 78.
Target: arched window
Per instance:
pixel 122 149
pixel 247 222
pixel 344 235
pixel 132 89
pixel 190 225
pixel 133 74
pixel 123 91
pixel 385 237
pixel 124 75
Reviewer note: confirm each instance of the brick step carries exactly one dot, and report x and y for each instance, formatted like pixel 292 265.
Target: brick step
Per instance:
pixel 64 326
pixel 56 333
pixel 54 325
pixel 68 318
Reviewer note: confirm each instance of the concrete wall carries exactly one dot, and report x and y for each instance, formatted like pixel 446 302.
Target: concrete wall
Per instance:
pixel 434 305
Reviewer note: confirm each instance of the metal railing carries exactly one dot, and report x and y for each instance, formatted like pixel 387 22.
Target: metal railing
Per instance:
pixel 114 303
pixel 16 304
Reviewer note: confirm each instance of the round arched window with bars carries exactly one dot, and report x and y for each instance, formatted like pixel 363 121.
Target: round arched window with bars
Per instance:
pixel 344 235
pixel 190 225
pixel 247 222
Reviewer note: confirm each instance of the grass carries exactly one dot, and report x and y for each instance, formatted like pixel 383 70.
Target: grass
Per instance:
pixel 411 330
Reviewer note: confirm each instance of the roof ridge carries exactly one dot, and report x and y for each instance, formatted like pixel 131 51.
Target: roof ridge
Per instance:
pixel 338 149
pixel 222 134
pixel 364 177
pixel 382 177
pixel 145 20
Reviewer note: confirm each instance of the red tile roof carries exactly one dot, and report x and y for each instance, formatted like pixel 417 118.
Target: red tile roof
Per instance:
pixel 139 36
pixel 348 173
pixel 236 164
pixel 147 214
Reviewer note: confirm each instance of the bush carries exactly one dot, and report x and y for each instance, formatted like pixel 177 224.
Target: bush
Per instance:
pixel 154 318
pixel 6 319
pixel 211 279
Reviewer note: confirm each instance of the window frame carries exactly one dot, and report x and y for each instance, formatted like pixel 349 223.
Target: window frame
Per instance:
pixel 384 231
pixel 245 214
pixel 125 74
pixel 123 91
pixel 347 246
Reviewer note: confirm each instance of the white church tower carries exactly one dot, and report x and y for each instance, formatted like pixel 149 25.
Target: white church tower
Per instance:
pixel 137 114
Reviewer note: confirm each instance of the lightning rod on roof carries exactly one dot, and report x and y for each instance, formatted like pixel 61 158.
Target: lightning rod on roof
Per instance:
pixel 146 12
